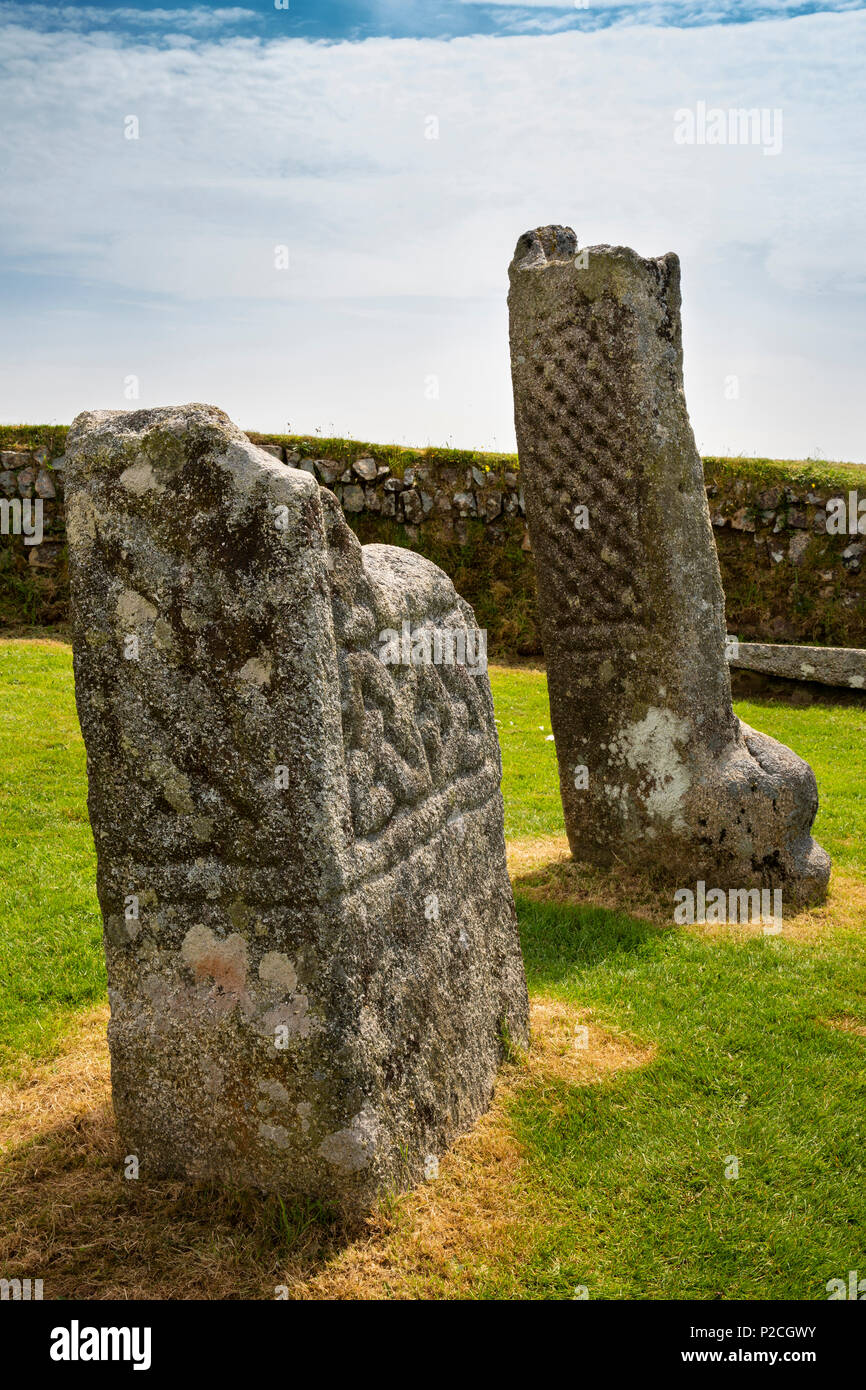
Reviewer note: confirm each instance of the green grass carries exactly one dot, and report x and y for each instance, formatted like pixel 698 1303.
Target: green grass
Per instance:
pixel 50 932
pixel 832 738
pixel 632 1171
pixel 801 475
pixel 628 1173
pixel 530 782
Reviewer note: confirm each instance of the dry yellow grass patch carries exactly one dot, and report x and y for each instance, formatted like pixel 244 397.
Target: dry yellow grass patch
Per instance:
pixel 567 1043
pixel 541 868
pixel 436 1240
pixel 843 910
pixel 67 1215
pixel 77 1081
pixel 845 1023
pixel 30 636
pixel 479 1212
pixel 533 852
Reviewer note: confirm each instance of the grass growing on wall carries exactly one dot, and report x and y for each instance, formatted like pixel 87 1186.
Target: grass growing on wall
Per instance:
pixel 52 437
pixel 801 475
pixel 796 473
pixel 398 457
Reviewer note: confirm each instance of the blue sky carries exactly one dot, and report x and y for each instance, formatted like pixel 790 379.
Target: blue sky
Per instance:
pixel 153 264
pixel 436 19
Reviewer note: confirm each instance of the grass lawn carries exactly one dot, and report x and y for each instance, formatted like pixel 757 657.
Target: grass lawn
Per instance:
pixel 50 928
pixel 701 1137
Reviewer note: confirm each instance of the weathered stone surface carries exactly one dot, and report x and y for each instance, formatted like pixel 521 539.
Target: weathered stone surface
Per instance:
pixel 326 472
pixel 411 503
pixel 309 929
pixel 839 666
pixel 44 484
pixel 365 468
pixel 353 498
pixel 655 769
pixel 26 479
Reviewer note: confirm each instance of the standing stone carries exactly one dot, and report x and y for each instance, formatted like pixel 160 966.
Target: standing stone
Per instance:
pixel 311 942
pixel 655 769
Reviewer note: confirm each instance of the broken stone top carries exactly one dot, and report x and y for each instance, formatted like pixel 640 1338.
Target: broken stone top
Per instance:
pixel 614 268
pixel 545 244
pixel 646 288
pixel 655 768
pixel 559 246
pixel 596 355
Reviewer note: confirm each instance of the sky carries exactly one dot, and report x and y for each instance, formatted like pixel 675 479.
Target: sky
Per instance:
pixel 306 215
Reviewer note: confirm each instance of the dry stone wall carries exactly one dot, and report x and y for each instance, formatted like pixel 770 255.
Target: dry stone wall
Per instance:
pixel 786 579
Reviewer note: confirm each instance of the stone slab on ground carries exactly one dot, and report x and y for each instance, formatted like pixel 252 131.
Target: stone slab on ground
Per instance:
pixel 840 666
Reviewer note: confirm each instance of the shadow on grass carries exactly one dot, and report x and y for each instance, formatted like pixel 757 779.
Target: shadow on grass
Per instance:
pixel 557 938
pixel 773 692
pixel 68 1215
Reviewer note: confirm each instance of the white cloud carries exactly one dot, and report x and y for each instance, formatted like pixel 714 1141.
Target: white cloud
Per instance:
pixel 556 16
pixel 737 9
pixel 399 244
pixel 195 19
